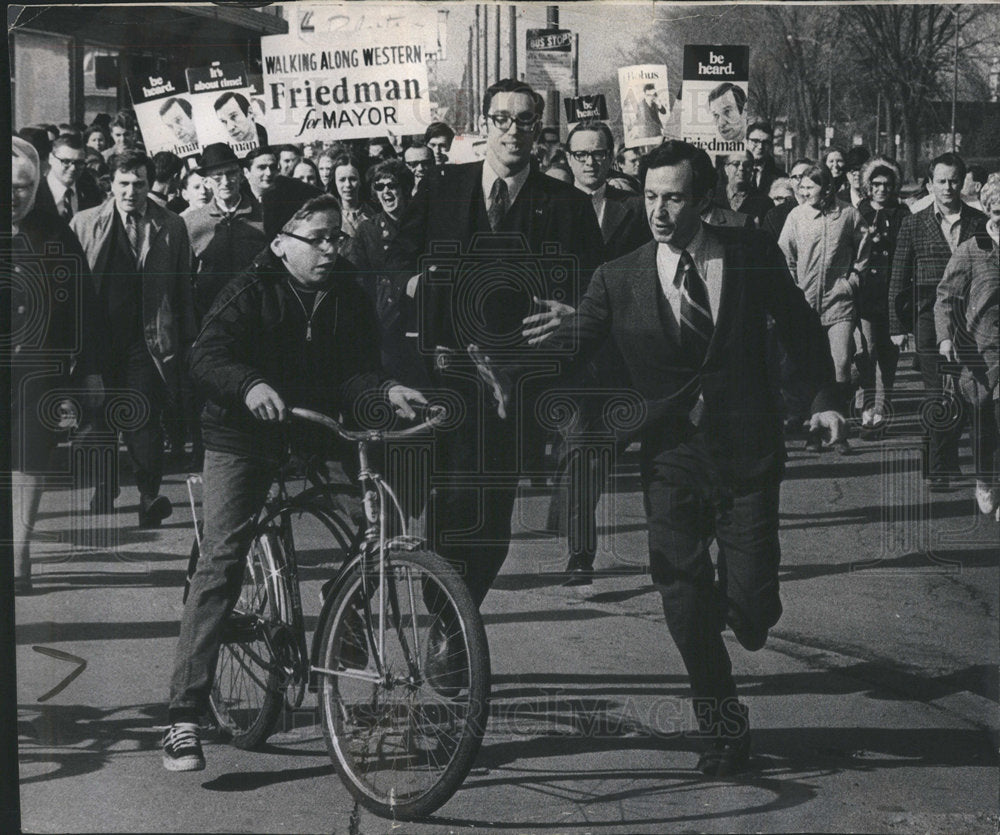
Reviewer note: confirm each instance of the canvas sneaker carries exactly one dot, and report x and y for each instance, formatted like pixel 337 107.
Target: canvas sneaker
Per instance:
pixel 182 748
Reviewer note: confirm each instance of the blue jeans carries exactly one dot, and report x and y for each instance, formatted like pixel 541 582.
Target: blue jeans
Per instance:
pixel 235 488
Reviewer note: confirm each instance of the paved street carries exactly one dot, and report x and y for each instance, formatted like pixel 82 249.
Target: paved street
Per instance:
pixel 873 705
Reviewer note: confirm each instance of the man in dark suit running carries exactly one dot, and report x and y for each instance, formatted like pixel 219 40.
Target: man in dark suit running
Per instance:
pixel 688 312
pixel 495 242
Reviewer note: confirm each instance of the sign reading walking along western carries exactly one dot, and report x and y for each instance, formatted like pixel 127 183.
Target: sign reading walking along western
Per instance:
pixel 714 98
pixel 222 101
pixel 164 112
pixel 549 59
pixel 645 103
pixel 336 85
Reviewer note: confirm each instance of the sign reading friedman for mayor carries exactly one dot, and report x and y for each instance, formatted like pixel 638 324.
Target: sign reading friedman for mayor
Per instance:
pixel 163 110
pixel 549 59
pixel 331 85
pixel 714 98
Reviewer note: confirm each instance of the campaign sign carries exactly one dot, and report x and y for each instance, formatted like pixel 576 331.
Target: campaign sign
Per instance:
pixel 335 85
pixel 549 59
pixel 589 107
pixel 714 98
pixel 222 101
pixel 417 23
pixel 645 103
pixel 165 114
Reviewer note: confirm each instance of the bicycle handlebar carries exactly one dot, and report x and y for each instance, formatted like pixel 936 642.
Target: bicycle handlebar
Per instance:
pixel 434 416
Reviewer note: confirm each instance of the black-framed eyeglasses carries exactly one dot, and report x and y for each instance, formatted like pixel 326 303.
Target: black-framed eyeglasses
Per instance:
pixel 598 156
pixel 752 141
pixel 71 163
pixel 330 240
pixel 504 120
pixel 382 185
pixel 420 163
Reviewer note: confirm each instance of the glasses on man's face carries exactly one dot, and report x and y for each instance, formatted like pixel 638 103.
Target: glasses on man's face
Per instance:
pixel 68 162
pixel 504 120
pixel 418 164
pixel 225 174
pixel 382 185
pixel 318 241
pixel 752 141
pixel 598 156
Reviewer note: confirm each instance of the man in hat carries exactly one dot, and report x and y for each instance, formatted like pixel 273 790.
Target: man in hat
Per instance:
pixel 227 232
pixel 295 329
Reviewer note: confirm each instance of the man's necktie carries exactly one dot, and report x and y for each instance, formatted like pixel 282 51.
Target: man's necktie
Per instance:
pixel 696 315
pixel 498 203
pixel 67 204
pixel 132 230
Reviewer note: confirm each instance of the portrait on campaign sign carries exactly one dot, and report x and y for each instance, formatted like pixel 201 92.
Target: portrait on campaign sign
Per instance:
pixel 714 98
pixel 165 114
pixel 645 103
pixel 222 100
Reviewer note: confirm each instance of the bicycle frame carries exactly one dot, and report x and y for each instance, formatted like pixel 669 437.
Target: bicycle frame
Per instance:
pixel 376 545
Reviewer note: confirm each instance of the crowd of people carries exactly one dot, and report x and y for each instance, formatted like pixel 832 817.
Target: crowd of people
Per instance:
pixel 742 304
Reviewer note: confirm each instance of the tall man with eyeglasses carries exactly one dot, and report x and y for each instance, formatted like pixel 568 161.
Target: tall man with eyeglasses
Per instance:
pixel 582 466
pixel 294 329
pixel 68 188
pixel 457 230
pixel 760 144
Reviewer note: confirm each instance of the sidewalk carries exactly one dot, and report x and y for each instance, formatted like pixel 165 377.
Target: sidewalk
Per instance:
pixel 873 706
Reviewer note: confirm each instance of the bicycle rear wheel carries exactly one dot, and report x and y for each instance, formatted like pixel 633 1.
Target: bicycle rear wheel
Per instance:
pixel 250 673
pixel 402 739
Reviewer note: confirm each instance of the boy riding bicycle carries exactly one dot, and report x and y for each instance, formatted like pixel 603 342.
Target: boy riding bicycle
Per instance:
pixel 295 329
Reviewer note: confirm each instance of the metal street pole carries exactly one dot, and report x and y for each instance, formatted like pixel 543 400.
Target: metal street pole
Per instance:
pixel 496 42
pixel 878 124
pixel 552 96
pixel 477 68
pixel 512 30
pixel 954 85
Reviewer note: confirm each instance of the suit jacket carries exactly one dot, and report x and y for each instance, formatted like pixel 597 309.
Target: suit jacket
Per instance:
pixel 624 226
pixel 88 195
pixel 922 253
pixel 438 229
pixel 167 309
pixel 740 424
pixel 768 174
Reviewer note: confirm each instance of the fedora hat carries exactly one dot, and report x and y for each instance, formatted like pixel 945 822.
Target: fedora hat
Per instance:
pixel 216 155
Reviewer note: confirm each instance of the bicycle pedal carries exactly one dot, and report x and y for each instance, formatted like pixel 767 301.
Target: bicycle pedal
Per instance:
pixel 240 629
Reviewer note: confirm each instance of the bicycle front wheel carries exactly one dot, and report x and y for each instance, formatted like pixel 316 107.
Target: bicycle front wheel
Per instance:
pixel 404 684
pixel 250 674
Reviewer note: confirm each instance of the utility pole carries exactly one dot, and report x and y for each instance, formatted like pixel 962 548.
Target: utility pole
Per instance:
pixel 552 96
pixel 470 121
pixel 954 85
pixel 496 42
pixel 477 68
pixel 512 44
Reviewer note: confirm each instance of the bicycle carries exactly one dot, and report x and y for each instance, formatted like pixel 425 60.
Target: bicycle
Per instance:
pixel 399 657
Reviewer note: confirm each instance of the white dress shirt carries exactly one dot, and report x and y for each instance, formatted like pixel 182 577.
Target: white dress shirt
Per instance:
pixel 707 253
pixel 515 182
pixel 949 224
pixel 58 194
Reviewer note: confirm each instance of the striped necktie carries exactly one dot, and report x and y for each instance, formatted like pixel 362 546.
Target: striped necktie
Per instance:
pixel 696 324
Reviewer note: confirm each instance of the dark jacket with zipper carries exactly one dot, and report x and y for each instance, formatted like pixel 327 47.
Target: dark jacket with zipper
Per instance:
pixel 259 330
